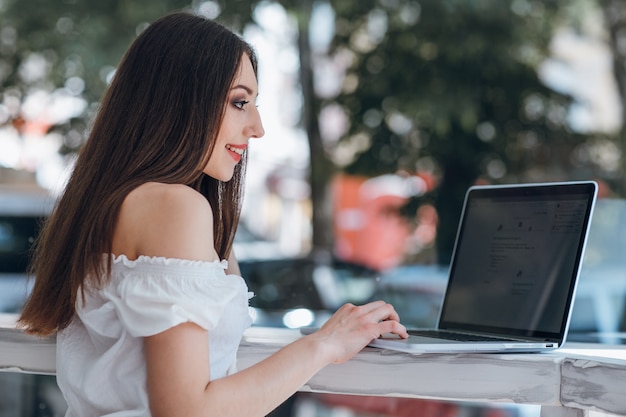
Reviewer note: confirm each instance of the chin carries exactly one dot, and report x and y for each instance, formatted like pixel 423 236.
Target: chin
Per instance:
pixel 221 177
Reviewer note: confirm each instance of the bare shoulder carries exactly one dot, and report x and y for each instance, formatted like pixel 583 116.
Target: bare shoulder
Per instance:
pixel 170 220
pixel 174 196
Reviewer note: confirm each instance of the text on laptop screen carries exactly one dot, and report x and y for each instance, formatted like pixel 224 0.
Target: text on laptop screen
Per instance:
pixel 514 260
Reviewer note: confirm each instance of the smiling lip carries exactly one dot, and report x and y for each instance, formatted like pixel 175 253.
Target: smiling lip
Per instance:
pixel 236 151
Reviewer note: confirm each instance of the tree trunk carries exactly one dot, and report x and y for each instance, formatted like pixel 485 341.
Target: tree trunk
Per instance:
pixel 321 168
pixel 615 17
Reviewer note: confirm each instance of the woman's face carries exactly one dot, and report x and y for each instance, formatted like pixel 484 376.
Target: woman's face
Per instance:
pixel 241 122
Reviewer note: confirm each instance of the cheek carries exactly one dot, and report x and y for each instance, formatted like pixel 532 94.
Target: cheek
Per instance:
pixel 233 119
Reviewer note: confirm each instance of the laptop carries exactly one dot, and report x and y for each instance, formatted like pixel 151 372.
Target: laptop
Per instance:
pixel 513 272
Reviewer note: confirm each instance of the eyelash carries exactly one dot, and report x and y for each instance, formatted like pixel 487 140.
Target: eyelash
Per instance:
pixel 240 104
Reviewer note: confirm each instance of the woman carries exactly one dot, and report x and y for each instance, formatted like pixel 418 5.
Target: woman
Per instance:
pixel 134 267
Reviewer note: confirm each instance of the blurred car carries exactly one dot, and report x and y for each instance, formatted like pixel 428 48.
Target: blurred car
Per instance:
pixel 303 291
pixel 248 245
pixel 22 210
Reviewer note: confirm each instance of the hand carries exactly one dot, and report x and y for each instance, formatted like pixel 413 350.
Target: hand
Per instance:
pixel 352 327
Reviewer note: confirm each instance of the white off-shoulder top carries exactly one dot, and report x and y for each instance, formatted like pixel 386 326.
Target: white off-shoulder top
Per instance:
pixel 101 367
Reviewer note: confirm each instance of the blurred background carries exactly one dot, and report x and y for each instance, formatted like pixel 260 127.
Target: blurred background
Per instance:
pixel 379 114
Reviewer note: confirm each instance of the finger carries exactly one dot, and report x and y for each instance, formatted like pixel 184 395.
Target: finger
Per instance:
pixel 392 326
pixel 385 311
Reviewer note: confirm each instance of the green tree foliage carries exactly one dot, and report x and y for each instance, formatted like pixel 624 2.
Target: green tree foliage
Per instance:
pixel 451 86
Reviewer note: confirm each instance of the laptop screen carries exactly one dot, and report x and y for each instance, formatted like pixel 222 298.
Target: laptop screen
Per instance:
pixel 517 258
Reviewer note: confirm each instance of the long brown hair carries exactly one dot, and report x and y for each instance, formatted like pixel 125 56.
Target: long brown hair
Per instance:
pixel 158 121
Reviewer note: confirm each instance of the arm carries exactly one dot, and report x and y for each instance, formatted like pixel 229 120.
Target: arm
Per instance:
pixel 155 220
pixel 178 365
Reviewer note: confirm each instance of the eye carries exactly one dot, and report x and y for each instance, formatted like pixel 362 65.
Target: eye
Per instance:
pixel 240 104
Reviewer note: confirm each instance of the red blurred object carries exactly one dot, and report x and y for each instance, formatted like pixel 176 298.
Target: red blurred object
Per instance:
pixel 368 227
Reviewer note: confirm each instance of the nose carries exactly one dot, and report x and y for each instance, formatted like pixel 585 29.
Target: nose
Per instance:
pixel 255 128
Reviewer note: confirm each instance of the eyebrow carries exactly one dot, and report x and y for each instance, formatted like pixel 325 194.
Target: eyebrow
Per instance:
pixel 243 87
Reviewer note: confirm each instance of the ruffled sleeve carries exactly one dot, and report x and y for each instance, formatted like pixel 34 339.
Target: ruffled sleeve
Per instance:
pixel 150 295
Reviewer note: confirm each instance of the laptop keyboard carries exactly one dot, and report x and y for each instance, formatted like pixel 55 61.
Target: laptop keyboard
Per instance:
pixel 442 334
